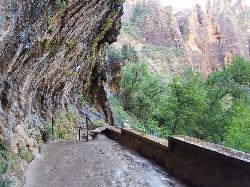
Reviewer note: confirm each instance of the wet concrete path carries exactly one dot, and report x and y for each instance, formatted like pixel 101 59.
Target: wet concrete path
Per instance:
pixel 100 162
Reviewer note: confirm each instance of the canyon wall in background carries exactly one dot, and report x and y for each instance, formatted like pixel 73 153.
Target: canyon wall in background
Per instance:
pixel 203 39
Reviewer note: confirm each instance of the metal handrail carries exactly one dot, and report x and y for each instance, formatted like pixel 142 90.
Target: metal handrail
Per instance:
pixel 79 128
pixel 87 127
pixel 53 133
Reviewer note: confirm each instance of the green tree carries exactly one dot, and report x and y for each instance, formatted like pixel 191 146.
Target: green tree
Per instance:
pixel 113 54
pixel 238 132
pixel 225 93
pixel 125 51
pixel 190 105
pixel 141 92
pixel 132 77
pixel 129 54
pixel 183 107
pixel 139 12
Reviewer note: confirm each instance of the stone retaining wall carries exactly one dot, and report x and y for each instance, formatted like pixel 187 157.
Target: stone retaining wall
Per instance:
pixel 196 162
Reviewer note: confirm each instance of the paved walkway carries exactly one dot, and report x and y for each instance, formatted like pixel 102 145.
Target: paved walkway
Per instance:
pixel 100 162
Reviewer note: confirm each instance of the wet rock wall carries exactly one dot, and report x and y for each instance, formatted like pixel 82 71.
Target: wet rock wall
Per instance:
pixel 51 53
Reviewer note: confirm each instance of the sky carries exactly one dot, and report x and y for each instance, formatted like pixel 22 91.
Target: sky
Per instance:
pixel 184 4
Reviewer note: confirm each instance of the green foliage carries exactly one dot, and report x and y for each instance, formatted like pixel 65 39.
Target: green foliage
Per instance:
pixel 65 125
pixel 8 163
pixel 50 30
pixel 130 30
pixel 49 19
pixel 55 43
pixel 225 94
pixel 70 46
pixel 52 45
pixel 163 52
pixel 24 153
pixel 238 131
pixel 86 99
pixel 4 155
pixel 129 54
pixel 97 123
pixel 179 51
pixel 189 105
pixel 132 76
pixel 184 105
pixel 37 134
pixel 40 143
pixel 69 73
pixel 139 12
pixel 148 49
pixel 60 6
pixel 113 53
pixel 141 92
pixel 107 24
pixel 45 45
pixel 121 116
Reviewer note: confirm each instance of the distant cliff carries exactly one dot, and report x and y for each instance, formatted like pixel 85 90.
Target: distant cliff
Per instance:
pixel 204 40
pixel 216 34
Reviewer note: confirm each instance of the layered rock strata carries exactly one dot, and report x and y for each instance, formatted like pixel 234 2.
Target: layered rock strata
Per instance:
pixel 52 52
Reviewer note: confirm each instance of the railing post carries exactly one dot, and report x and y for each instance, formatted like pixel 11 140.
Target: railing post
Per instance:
pixel 79 133
pixel 53 135
pixel 87 126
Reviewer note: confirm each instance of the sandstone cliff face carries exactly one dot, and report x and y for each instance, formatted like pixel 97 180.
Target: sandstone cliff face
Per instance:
pixel 216 34
pixel 154 32
pixel 202 39
pixel 51 52
pixel 160 26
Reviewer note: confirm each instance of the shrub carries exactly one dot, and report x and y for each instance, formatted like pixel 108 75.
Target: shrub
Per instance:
pixel 52 45
pixel 24 153
pixel 113 54
pixel 86 99
pixel 70 46
pixel 121 116
pixel 60 6
pixel 69 73
pixel 130 30
pixel 97 123
pixel 8 163
pixel 65 125
pixel 55 43
pixel 50 30
pixel 129 54
pixel 139 12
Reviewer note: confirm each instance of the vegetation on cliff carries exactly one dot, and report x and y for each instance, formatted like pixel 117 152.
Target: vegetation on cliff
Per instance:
pixel 8 163
pixel 215 109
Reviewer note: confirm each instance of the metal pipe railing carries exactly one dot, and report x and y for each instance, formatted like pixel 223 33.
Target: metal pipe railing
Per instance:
pixel 87 120
pixel 53 133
